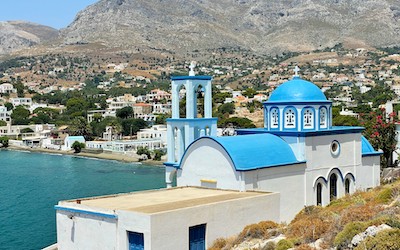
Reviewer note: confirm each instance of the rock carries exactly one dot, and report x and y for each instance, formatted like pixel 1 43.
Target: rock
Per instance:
pixel 390 174
pixel 370 231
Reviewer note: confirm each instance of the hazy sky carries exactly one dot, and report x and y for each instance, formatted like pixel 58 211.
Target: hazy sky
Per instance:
pixel 54 13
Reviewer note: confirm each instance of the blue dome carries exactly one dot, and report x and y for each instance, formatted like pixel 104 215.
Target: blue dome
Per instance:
pixel 297 90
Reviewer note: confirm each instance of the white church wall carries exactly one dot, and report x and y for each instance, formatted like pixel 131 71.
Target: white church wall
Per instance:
pixel 76 231
pixel 129 221
pixel 287 180
pixel 170 230
pixel 298 146
pixel 319 155
pixel 207 164
pixel 368 175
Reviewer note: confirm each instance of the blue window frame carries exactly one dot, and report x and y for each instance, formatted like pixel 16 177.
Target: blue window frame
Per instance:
pixel 197 237
pixel 136 241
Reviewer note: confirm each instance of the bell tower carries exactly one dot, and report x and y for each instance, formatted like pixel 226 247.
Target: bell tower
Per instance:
pixel 182 131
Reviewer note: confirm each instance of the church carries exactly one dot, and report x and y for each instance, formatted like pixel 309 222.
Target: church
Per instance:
pixel 298 153
pixel 225 183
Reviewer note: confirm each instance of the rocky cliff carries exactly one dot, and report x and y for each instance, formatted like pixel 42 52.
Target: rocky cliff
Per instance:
pixel 15 35
pixel 258 25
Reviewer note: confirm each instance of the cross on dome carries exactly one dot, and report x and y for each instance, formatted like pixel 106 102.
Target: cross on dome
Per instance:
pixel 191 67
pixel 296 71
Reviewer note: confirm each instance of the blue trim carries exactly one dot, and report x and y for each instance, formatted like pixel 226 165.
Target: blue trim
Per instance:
pixel 317 181
pixel 297 102
pixel 331 172
pixel 326 118
pixel 266 118
pixel 179 78
pixel 74 210
pixel 351 175
pixel 171 164
pixel 295 118
pixel 313 118
pixel 372 154
pixel 367 149
pixel 270 118
pixel 272 166
pixel 190 119
pixel 330 131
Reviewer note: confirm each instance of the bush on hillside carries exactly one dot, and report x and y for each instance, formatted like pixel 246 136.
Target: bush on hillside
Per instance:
pixel 386 239
pixel 343 239
pixel 284 245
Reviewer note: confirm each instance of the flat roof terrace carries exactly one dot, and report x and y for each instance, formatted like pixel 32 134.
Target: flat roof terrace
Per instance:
pixel 163 200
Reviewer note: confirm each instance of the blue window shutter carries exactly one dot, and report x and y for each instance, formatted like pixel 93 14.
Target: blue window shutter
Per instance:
pixel 197 237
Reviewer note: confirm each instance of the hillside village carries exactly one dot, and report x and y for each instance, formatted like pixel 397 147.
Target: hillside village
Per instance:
pixel 119 103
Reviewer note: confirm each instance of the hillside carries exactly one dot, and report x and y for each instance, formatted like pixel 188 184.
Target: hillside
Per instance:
pixel 16 35
pixel 352 222
pixel 178 26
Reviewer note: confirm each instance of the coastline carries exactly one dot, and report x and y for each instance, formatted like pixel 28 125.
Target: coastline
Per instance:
pixel 103 156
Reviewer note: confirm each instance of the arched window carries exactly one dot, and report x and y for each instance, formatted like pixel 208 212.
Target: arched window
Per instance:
pixel 290 118
pixel 308 118
pixel 333 187
pixel 274 118
pixel 347 186
pixel 323 121
pixel 319 194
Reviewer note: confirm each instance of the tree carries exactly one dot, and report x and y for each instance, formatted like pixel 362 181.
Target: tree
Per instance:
pixel 76 106
pixel 9 106
pixel 162 118
pixel 3 123
pixel 143 151
pixel 227 108
pixel 158 154
pixel 250 93
pixel 20 116
pixel 125 112
pixel 79 126
pixel 380 130
pixel 132 126
pixel 77 146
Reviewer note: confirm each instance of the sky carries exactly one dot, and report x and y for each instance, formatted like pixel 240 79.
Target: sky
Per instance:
pixel 54 13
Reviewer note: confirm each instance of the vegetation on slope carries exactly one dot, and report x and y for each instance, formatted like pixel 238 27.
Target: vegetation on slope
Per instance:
pixel 331 226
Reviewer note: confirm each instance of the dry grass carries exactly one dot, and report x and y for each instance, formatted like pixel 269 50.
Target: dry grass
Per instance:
pixel 338 220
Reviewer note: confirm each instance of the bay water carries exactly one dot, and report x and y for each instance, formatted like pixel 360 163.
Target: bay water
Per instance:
pixel 32 183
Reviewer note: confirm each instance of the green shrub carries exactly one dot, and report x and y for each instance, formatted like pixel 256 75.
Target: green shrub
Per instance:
pixel 143 151
pixel 343 239
pixel 284 245
pixel 158 154
pixel 77 146
pixel 4 140
pixel 386 239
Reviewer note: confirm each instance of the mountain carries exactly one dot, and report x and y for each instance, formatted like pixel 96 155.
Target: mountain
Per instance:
pixel 15 35
pixel 259 25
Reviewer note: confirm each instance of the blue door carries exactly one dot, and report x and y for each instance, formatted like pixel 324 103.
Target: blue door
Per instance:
pixel 136 241
pixel 197 237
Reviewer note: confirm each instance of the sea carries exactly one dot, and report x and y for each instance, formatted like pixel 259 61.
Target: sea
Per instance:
pixel 32 183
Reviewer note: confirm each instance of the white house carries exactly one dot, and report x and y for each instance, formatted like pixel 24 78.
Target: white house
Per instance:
pixel 26 101
pixel 5 115
pixel 69 140
pixel 299 157
pixel 7 88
